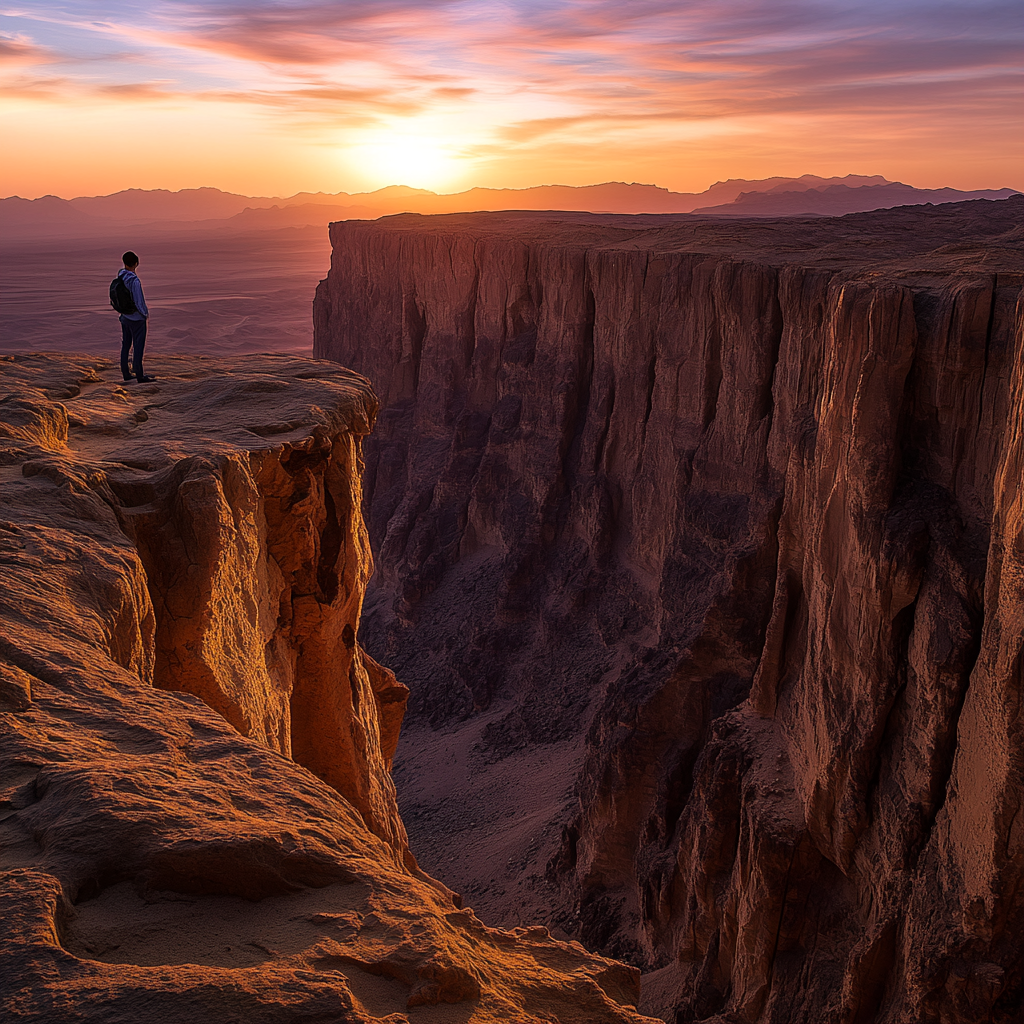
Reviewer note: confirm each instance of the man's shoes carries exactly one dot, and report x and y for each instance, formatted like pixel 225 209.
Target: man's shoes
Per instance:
pixel 127 379
pixel 144 379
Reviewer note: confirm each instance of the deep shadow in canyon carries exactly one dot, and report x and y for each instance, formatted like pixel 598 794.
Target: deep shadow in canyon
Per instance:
pixel 699 546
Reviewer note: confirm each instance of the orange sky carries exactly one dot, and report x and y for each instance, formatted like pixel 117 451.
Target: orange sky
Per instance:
pixel 272 98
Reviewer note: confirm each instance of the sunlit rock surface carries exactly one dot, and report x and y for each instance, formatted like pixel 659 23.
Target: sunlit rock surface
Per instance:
pixel 197 822
pixel 701 549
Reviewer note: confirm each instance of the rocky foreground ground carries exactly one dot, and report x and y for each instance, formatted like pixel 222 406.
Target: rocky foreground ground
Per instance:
pixel 197 821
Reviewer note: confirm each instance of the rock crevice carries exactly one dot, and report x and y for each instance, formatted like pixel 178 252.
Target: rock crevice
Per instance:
pixel 257 566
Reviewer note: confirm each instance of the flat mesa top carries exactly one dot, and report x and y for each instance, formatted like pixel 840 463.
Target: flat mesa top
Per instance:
pixel 983 236
pixel 77 408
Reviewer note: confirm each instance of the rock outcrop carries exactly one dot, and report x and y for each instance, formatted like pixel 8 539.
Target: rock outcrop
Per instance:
pixel 703 542
pixel 197 820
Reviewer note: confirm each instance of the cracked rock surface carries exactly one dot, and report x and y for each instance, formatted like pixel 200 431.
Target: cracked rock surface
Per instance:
pixel 700 547
pixel 197 820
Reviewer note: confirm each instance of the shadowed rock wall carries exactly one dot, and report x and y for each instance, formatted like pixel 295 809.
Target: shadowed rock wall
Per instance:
pixel 737 508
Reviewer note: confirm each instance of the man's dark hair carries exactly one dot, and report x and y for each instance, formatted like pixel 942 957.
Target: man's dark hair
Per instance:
pixel 129 259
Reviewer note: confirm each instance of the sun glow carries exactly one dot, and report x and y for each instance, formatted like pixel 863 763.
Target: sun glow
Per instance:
pixel 415 160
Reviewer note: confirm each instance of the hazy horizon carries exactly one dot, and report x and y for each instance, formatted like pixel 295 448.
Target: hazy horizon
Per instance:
pixel 440 192
pixel 993 185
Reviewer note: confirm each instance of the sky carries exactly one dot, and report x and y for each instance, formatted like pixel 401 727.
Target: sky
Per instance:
pixel 272 98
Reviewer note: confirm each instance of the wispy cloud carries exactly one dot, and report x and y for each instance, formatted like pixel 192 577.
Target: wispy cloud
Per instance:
pixel 20 49
pixel 578 48
pixel 523 73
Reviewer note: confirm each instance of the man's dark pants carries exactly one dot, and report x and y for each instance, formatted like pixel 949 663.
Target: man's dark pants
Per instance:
pixel 133 337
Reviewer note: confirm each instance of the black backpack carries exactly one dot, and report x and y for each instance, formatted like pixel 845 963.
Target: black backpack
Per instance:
pixel 120 297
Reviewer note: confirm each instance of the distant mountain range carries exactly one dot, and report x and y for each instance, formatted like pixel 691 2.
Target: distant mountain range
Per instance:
pixel 212 209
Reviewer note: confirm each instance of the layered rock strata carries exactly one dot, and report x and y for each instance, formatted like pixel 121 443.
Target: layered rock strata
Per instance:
pixel 197 821
pixel 709 537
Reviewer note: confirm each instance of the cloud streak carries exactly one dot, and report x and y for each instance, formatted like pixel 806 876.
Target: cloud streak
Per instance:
pixel 20 50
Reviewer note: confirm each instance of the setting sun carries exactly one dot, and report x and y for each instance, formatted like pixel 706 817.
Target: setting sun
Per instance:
pixel 415 160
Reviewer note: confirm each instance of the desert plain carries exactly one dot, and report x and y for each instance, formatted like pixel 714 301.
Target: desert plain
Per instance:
pixel 216 295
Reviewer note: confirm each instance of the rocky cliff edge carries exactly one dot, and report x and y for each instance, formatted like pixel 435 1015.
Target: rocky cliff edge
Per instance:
pixel 197 821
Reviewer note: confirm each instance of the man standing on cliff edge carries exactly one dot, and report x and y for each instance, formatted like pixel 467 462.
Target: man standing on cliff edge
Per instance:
pixel 133 320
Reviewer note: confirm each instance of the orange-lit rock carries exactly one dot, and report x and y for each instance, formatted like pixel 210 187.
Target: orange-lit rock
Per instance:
pixel 197 821
pixel 705 540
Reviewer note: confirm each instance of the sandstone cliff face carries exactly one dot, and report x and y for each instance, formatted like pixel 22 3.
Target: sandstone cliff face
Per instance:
pixel 724 521
pixel 197 821
pixel 256 564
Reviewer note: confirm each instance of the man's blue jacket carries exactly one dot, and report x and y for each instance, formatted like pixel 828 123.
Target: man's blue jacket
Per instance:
pixel 134 286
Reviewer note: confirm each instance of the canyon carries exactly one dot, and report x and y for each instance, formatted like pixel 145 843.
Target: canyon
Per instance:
pixel 700 547
pixel 197 817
